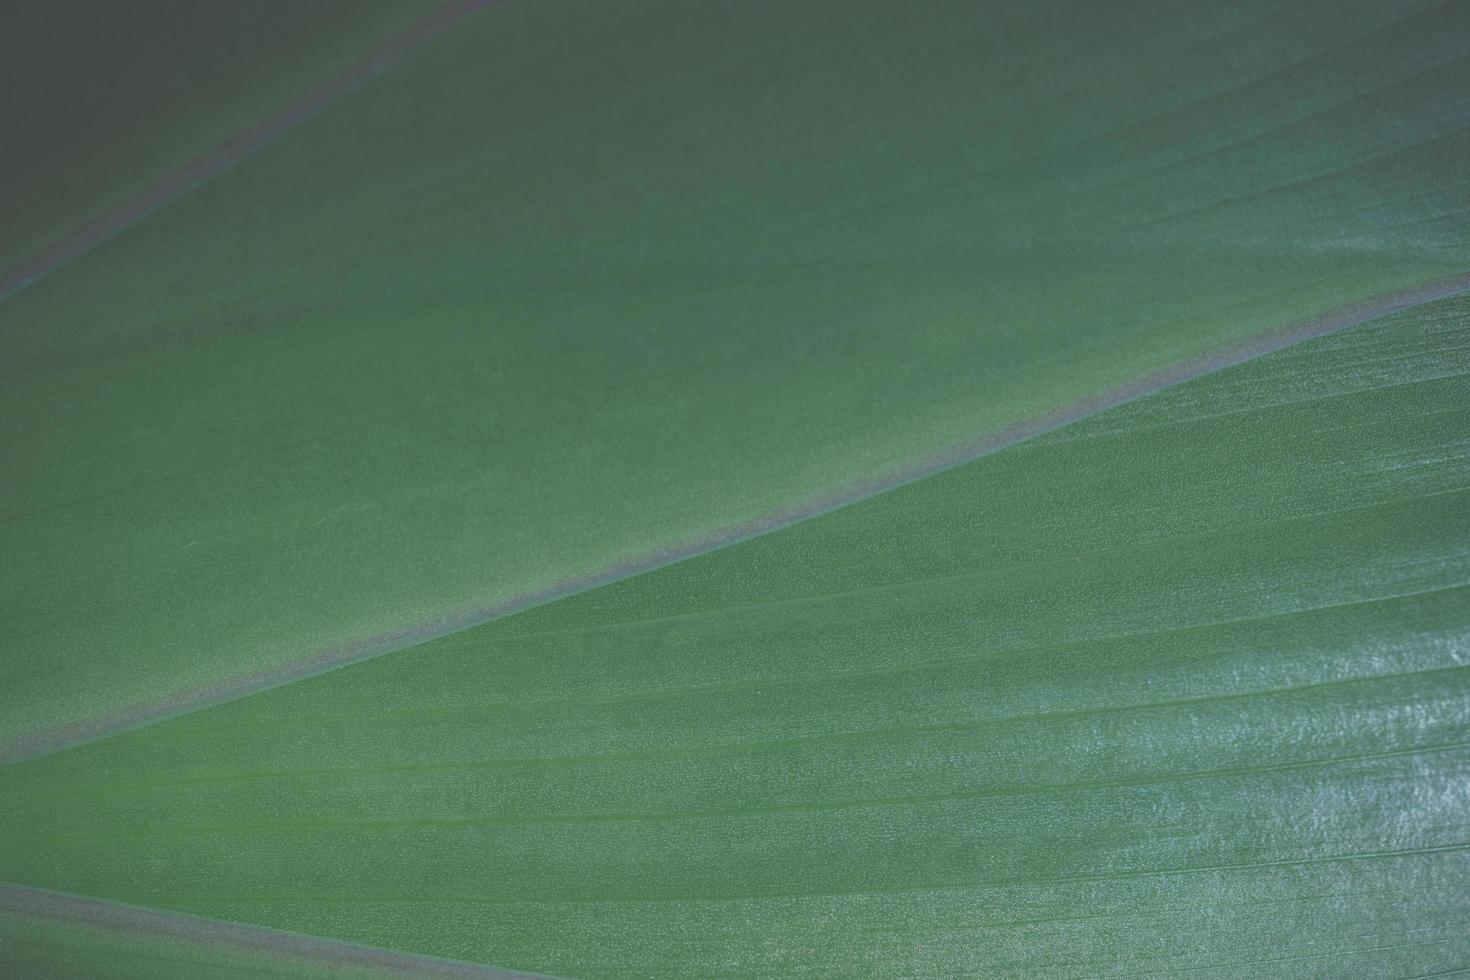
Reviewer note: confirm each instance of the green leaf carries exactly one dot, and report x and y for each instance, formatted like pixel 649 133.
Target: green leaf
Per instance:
pixel 109 99
pixel 48 934
pixel 757 357
pixel 584 287
pixel 1179 688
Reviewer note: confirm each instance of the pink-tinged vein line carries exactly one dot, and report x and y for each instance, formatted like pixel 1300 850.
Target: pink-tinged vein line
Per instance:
pixel 134 920
pixel 236 148
pixel 140 714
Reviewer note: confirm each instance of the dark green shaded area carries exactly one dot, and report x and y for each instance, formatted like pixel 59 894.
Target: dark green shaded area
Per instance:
pixel 101 98
pixel 582 283
pixel 1181 689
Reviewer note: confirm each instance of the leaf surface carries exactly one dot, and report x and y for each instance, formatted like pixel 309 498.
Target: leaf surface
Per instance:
pixel 47 934
pixel 1180 689
pixel 584 287
pixel 105 99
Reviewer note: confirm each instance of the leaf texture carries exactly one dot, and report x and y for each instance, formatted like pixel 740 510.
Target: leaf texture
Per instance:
pixel 1177 690
pixel 585 287
pixel 104 99
pixel 49 934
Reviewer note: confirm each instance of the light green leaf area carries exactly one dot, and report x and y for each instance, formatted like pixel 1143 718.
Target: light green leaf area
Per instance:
pixel 582 286
pixel 1179 689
